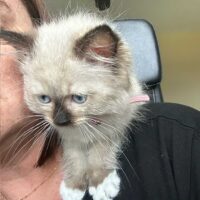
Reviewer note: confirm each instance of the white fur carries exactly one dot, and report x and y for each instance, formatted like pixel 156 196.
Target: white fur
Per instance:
pixel 70 194
pixel 107 190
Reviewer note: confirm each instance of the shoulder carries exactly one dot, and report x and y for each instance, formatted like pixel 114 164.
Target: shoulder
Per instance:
pixel 175 113
pixel 164 149
pixel 165 124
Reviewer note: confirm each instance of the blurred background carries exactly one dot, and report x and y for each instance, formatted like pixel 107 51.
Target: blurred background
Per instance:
pixel 177 26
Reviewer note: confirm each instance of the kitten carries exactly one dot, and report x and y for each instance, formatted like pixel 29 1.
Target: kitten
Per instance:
pixel 77 74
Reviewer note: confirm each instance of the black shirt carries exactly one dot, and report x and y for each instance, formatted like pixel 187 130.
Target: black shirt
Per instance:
pixel 162 159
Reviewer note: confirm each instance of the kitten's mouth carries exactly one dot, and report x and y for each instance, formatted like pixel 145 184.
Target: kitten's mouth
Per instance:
pixel 63 122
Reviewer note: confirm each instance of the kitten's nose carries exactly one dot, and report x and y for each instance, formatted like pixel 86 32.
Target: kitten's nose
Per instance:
pixel 62 118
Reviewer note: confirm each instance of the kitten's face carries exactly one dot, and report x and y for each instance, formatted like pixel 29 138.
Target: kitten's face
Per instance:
pixel 76 95
pixel 77 72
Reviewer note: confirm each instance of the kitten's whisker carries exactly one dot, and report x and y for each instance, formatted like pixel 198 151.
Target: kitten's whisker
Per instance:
pixel 120 134
pixel 16 153
pixel 90 134
pixel 23 134
pixel 93 135
pixel 39 117
pixel 102 123
pixel 14 146
pixel 32 127
pixel 35 138
pixel 118 148
pixel 110 162
pixel 42 133
pixel 105 146
pixel 105 125
pixel 102 135
pixel 50 131
pixel 32 115
pixel 85 135
pixel 119 167
pixel 119 15
pixel 116 12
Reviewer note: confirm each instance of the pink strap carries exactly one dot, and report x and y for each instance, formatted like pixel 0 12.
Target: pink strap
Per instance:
pixel 140 98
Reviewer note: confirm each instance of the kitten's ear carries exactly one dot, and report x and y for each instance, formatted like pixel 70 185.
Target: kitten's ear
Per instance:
pixel 99 42
pixel 21 42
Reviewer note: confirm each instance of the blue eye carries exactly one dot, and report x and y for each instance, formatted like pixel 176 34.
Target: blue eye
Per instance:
pixel 79 98
pixel 44 99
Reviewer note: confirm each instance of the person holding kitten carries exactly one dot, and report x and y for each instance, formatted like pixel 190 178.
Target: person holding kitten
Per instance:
pixel 24 181
pixel 159 161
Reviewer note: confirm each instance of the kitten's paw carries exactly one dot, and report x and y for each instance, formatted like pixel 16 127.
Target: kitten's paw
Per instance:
pixel 108 189
pixel 69 193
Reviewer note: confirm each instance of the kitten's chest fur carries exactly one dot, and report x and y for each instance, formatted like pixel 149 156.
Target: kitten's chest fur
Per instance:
pixel 90 158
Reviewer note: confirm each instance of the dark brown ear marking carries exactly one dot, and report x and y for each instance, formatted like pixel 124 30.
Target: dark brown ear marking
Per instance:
pixel 101 41
pixel 17 40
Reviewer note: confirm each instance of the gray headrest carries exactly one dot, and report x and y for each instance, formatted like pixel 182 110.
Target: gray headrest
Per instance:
pixel 140 36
